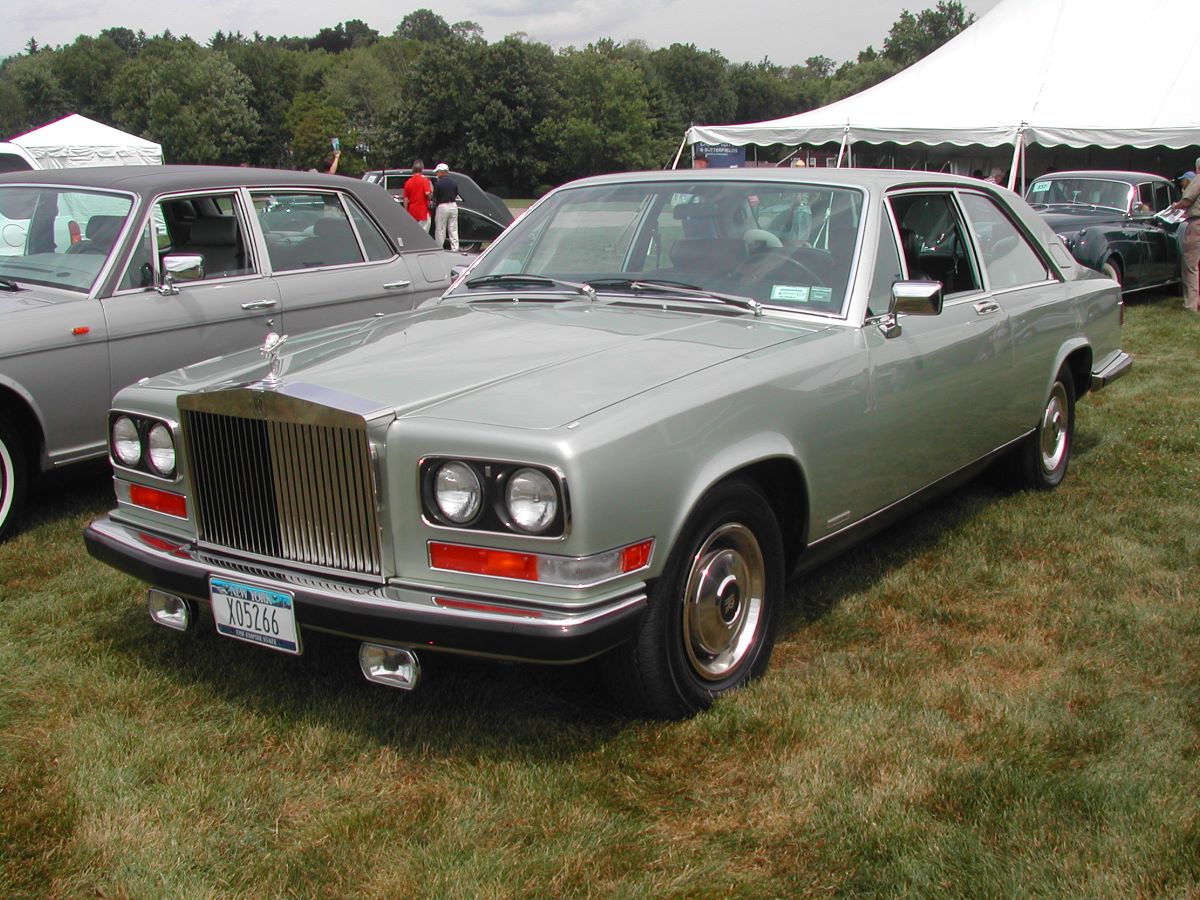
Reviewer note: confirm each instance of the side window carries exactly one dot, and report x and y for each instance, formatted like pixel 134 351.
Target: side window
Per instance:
pixel 377 245
pixel 207 226
pixel 1007 255
pixel 887 270
pixel 306 230
pixel 933 242
pixel 1145 200
pixel 140 271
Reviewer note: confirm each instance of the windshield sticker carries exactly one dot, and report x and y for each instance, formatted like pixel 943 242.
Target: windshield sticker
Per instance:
pixel 790 292
pixel 1039 187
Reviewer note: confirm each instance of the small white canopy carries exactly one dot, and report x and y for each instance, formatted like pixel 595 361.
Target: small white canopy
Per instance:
pixel 1084 73
pixel 76 140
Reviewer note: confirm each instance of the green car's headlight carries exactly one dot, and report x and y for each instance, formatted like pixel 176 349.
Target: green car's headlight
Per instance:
pixel 457 492
pixel 161 450
pixel 126 442
pixel 531 500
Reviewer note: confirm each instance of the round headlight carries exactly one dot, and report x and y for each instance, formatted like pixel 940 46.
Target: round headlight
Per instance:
pixel 457 492
pixel 161 450
pixel 532 500
pixel 126 443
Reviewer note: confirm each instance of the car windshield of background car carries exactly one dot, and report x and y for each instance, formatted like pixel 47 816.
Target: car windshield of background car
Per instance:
pixel 58 237
pixel 1080 192
pixel 789 246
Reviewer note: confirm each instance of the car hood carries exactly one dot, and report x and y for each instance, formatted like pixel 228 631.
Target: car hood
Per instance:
pixel 1065 219
pixel 527 365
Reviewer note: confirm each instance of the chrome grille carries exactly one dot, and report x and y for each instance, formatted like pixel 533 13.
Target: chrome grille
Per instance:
pixel 280 488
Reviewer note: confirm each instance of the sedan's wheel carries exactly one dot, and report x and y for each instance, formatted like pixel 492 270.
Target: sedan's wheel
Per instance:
pixel 1047 452
pixel 12 477
pixel 1110 270
pixel 711 620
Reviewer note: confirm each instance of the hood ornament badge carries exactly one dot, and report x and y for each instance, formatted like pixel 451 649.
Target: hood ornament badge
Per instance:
pixel 270 352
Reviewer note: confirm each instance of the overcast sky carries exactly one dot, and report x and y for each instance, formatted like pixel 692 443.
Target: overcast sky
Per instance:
pixel 784 31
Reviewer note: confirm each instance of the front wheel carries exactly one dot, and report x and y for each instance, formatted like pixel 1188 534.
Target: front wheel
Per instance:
pixel 13 477
pixel 1046 453
pixel 712 614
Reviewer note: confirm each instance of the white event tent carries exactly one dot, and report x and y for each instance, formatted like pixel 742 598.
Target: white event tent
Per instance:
pixel 1079 73
pixel 76 140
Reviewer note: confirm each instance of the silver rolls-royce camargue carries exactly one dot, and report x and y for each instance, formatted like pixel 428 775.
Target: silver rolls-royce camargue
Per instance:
pixel 113 273
pixel 654 399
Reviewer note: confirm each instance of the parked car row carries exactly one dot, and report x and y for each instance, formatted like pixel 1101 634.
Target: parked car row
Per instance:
pixel 652 399
pixel 1118 223
pixel 111 275
pixel 481 216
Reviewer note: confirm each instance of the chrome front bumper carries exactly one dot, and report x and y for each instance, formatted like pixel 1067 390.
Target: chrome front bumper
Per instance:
pixel 401 615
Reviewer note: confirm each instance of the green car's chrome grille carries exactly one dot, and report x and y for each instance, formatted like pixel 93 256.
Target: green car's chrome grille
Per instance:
pixel 284 490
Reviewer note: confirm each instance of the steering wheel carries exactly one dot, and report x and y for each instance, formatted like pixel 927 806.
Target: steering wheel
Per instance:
pixel 780 266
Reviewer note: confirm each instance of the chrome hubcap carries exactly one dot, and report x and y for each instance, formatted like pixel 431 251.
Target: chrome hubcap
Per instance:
pixel 1054 429
pixel 6 483
pixel 723 601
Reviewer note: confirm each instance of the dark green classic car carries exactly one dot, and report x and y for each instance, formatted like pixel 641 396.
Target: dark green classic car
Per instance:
pixel 654 399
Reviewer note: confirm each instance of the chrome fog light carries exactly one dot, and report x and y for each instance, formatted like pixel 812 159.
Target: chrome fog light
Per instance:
pixel 168 610
pixel 391 666
pixel 126 442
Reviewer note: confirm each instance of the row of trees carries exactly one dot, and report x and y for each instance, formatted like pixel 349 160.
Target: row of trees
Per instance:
pixel 516 112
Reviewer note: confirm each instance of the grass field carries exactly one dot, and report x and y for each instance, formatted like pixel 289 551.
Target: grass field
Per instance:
pixel 999 697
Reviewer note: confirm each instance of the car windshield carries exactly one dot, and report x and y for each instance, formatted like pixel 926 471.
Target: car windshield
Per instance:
pixel 57 236
pixel 1080 192
pixel 786 245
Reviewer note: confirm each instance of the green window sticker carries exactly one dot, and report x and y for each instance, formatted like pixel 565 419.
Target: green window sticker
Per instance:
pixel 1039 187
pixel 821 294
pixel 791 292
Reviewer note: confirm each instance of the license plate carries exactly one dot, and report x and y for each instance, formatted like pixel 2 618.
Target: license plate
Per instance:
pixel 255 614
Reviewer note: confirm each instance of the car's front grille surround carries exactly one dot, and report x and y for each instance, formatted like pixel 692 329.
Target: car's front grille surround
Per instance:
pixel 281 479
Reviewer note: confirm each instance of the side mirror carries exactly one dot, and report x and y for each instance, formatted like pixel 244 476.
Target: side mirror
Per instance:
pixel 180 267
pixel 913 298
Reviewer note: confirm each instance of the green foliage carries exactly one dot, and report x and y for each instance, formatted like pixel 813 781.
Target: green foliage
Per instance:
pixel 312 124
pixel 274 74
pixel 698 84
pixel 913 37
pixel 423 25
pixel 190 99
pixel 38 93
pixel 87 70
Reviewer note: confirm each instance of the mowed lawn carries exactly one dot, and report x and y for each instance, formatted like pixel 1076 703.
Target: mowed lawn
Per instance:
pixel 999 697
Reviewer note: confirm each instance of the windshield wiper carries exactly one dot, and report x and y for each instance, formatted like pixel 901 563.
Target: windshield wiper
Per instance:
pixel 676 289
pixel 9 285
pixel 518 279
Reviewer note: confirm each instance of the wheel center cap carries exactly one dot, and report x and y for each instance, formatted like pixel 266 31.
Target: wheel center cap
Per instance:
pixel 729 600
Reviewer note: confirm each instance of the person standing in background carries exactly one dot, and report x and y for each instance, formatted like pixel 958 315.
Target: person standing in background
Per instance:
pixel 1190 268
pixel 417 191
pixel 445 211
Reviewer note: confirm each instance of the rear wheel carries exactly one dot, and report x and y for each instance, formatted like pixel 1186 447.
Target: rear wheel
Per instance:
pixel 1111 270
pixel 712 614
pixel 1046 453
pixel 13 477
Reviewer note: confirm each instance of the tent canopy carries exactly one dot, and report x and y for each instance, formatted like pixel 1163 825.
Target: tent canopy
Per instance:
pixel 75 140
pixel 1080 73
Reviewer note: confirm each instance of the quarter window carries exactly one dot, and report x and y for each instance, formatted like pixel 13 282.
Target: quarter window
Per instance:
pixel 1007 256
pixel 377 245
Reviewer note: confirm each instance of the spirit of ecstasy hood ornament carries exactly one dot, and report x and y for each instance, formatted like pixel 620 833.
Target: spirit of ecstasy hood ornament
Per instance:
pixel 270 352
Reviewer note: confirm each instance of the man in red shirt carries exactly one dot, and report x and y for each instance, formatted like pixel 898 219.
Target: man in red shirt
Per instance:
pixel 417 191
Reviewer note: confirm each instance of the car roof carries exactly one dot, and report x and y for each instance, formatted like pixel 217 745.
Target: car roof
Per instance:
pixel 150 181
pixel 874 179
pixel 1104 175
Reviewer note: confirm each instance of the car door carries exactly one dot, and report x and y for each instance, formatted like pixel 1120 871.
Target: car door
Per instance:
pixel 227 303
pixel 939 388
pixel 332 262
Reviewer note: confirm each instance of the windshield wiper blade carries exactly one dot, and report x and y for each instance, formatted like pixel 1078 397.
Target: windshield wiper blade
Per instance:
pixel 677 289
pixel 517 279
pixel 9 285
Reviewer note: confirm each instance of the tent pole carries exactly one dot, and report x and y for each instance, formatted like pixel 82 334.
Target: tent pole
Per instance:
pixel 842 148
pixel 679 152
pixel 1017 157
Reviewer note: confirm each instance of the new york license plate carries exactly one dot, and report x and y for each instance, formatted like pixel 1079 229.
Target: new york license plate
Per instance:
pixel 255 614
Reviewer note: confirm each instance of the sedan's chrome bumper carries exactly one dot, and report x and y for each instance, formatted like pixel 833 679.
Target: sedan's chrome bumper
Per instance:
pixel 1112 368
pixel 403 615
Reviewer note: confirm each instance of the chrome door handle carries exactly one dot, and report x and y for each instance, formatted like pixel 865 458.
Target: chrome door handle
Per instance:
pixel 985 307
pixel 396 285
pixel 259 304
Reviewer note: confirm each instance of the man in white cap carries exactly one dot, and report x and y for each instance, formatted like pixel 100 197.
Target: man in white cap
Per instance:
pixel 1190 268
pixel 445 213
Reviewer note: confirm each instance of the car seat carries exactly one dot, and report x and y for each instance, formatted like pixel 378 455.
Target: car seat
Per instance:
pixel 216 239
